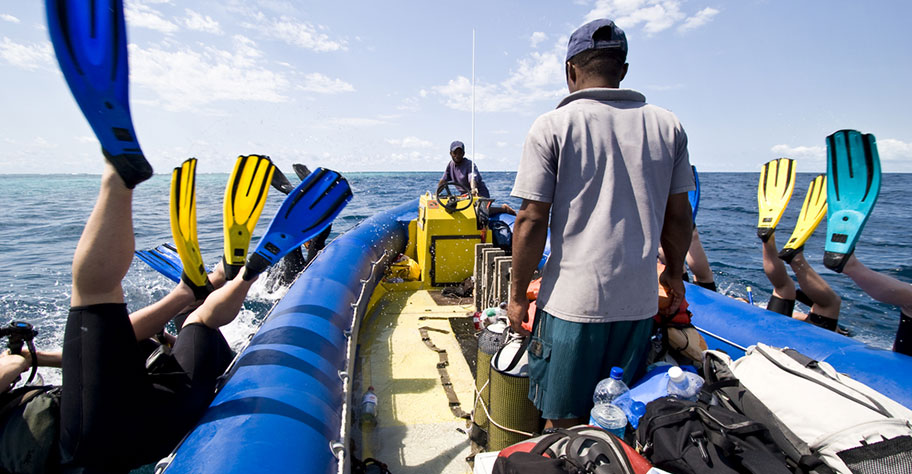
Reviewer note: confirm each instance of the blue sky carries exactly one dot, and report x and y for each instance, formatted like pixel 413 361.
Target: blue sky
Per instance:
pixel 380 86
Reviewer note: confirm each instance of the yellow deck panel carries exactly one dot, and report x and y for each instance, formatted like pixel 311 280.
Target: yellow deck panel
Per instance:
pixel 416 431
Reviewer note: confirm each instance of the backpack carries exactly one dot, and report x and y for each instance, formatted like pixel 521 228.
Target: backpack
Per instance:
pixel 502 235
pixel 582 449
pixel 797 397
pixel 30 429
pixel 687 437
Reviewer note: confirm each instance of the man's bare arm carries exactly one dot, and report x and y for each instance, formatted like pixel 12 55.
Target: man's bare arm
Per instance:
pixel 529 234
pixel 676 233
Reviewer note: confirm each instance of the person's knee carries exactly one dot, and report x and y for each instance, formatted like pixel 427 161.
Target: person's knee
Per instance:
pixel 828 305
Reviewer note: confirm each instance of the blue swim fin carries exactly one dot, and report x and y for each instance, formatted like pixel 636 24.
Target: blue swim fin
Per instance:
pixel 694 196
pixel 163 259
pixel 853 183
pixel 90 40
pixel 308 209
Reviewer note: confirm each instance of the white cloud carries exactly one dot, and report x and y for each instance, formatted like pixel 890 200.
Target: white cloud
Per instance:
pixel 536 77
pixel 889 149
pixel 702 17
pixel 356 122
pixel 788 151
pixel 198 22
pixel 26 56
pixel 296 33
pixel 142 15
pixel 321 84
pixel 537 38
pixel 654 15
pixel 894 150
pixel 187 79
pixel 409 142
pixel 9 18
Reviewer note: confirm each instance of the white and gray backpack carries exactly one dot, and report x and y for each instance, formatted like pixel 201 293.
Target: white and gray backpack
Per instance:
pixel 823 421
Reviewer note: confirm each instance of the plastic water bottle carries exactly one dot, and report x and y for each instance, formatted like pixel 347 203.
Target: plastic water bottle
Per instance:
pixel 369 406
pixel 609 417
pixel 610 388
pixel 634 410
pixel 490 316
pixel 684 385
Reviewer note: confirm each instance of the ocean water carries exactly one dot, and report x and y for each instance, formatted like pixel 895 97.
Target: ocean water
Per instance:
pixel 44 216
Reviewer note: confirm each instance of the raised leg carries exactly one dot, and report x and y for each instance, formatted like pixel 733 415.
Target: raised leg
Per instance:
pixel 105 249
pixel 783 286
pixel 826 301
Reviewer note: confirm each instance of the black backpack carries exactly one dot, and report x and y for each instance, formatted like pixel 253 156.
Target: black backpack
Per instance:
pixel 687 437
pixel 726 390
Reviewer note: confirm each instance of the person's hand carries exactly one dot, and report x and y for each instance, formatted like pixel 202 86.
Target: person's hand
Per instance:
pixel 11 365
pixel 674 286
pixel 518 312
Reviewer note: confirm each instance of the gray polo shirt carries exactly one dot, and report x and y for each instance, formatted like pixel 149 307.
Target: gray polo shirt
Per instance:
pixel 607 162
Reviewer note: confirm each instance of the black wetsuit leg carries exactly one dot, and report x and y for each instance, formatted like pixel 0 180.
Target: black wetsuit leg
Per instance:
pixel 903 341
pixel 822 321
pixel 104 390
pixel 781 306
pixel 708 285
pixel 114 415
pixel 803 298
pixel 204 355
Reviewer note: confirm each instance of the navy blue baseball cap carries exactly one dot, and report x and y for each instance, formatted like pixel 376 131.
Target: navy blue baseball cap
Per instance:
pixel 456 144
pixel 609 37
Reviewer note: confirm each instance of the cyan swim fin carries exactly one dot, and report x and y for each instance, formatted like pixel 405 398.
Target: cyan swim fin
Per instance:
pixel 245 196
pixel 163 259
pixel 308 209
pixel 90 40
pixel 853 183
pixel 183 228
pixel 777 181
pixel 694 196
pixel 812 212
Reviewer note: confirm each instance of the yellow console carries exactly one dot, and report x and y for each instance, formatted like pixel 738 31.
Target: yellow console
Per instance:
pixel 445 243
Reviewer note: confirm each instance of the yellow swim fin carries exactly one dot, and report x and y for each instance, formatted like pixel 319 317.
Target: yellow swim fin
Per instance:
pixel 183 228
pixel 813 211
pixel 245 196
pixel 777 181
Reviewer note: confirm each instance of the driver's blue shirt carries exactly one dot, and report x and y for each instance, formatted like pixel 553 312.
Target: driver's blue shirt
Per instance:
pixel 460 175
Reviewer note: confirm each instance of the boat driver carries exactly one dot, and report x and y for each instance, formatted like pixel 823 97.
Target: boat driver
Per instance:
pixel 461 169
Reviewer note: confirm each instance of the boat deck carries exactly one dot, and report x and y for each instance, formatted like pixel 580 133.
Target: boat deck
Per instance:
pixel 417 428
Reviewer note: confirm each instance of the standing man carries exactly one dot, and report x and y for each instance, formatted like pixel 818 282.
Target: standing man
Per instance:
pixel 461 169
pixel 613 172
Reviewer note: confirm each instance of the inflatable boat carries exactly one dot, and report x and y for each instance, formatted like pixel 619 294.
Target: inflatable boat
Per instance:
pixel 291 398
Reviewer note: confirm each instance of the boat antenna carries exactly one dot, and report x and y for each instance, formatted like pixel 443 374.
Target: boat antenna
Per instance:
pixel 472 172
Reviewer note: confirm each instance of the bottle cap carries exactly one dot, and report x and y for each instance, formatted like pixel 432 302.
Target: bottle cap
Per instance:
pixel 638 409
pixel 617 373
pixel 676 374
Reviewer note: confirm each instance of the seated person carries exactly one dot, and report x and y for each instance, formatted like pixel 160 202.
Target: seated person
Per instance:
pixel 461 169
pixel 697 262
pixel 824 302
pixel 886 289
pixel 114 414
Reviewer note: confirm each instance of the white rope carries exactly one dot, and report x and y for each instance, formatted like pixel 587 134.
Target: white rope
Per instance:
pixel 483 407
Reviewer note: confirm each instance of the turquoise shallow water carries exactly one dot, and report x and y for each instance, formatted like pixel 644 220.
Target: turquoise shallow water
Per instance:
pixel 44 215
